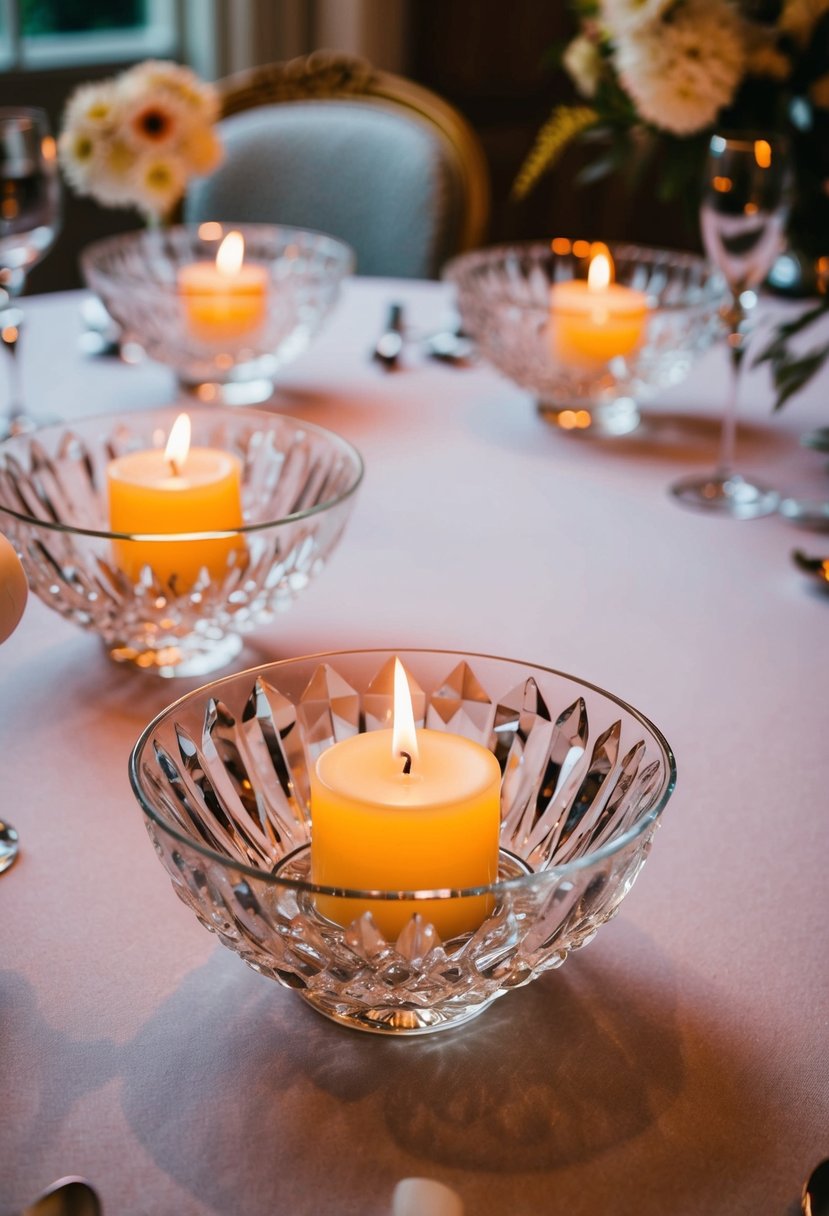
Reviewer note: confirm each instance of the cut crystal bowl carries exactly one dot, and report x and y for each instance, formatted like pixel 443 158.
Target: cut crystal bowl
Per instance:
pixel 222 777
pixel 505 296
pixel 225 345
pixel 297 482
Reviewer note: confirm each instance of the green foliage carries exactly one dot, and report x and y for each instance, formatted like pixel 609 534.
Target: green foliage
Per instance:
pixel 790 371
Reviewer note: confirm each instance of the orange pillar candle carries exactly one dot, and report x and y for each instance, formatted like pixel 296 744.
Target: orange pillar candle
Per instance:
pixel 595 320
pixel 178 490
pixel 224 300
pixel 406 810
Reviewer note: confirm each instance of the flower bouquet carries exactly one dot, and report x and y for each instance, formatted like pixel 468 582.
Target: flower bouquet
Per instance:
pixel 135 140
pixel 660 76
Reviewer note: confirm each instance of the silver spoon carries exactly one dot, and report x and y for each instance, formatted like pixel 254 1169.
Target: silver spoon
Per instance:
pixel 9 845
pixel 815 1197
pixel 389 346
pixel 451 346
pixel 66 1197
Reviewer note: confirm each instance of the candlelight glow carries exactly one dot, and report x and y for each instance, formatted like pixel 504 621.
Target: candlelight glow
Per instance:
pixel 762 153
pixel 231 254
pixel 178 445
pixel 600 271
pixel 403 735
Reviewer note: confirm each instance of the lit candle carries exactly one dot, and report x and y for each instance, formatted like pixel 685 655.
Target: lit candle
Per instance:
pixel 180 489
pixel 406 810
pixel 597 320
pixel 225 299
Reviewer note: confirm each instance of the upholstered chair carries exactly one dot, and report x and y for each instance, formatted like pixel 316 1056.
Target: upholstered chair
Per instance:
pixel 330 143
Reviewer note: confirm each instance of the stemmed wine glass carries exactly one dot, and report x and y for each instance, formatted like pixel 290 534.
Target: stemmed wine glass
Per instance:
pixel 29 223
pixel 742 215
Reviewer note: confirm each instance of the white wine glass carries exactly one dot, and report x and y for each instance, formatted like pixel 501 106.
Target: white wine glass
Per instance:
pixel 742 217
pixel 30 212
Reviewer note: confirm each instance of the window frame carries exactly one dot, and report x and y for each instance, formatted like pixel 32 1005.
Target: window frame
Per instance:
pixel 161 37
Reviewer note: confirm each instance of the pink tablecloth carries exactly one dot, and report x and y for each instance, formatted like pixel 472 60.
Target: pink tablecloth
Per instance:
pixel 680 1064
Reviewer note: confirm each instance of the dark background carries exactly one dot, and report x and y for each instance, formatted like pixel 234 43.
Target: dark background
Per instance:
pixel 491 59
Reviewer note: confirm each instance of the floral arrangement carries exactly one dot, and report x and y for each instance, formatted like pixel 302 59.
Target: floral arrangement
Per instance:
pixel 135 140
pixel 673 69
pixel 656 77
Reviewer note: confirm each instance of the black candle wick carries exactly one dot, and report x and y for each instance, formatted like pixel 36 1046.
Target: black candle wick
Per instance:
pixel 407 767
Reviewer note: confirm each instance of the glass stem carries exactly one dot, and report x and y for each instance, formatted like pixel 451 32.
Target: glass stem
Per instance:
pixel 734 317
pixel 10 323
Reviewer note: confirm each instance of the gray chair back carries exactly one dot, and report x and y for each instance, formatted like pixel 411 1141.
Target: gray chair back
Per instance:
pixel 332 144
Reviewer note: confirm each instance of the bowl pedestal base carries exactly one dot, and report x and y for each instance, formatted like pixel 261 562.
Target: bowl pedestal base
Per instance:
pixel 596 419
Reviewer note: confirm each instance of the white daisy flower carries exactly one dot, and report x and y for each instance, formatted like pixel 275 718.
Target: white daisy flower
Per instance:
pixel 172 79
pixel 158 183
pixel 137 139
pixel 583 62
pixel 622 16
pixel 93 105
pixel 681 71
pixel 79 151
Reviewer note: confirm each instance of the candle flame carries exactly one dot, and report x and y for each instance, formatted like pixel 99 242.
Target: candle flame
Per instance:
pixel 231 254
pixel 600 271
pixel 403 735
pixel 178 445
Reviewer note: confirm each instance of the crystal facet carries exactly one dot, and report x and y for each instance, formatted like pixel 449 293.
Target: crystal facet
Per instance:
pixel 226 769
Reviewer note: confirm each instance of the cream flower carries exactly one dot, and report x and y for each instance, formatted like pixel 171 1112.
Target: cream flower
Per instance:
pixel 136 140
pixel 157 184
pixel 622 16
pixel 179 83
pixel 79 153
pixel 582 60
pixel 201 150
pixel 682 70
pixel 799 18
pixel 155 122
pixel 92 105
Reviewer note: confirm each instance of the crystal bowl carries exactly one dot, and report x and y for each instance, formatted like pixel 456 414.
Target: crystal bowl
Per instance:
pixel 504 298
pixel 222 777
pixel 176 603
pixel 225 343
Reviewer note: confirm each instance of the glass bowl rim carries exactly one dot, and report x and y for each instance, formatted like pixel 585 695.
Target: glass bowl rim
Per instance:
pixel 241 412
pixel 552 873
pixel 93 253
pixel 38 113
pixel 712 286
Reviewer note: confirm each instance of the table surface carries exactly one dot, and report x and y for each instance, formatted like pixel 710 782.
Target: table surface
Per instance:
pixel 680 1064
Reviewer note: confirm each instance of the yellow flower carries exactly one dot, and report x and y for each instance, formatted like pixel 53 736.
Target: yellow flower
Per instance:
pixel 158 184
pixel 138 138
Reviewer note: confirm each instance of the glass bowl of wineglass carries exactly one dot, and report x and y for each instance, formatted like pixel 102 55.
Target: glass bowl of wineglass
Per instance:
pixel 29 223
pixel 742 217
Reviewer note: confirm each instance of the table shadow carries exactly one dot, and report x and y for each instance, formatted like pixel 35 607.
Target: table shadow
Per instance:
pixel 694 438
pixel 236 1087
pixel 663 434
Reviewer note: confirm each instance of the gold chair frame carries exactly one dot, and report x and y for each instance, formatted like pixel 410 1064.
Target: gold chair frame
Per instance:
pixel 331 74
